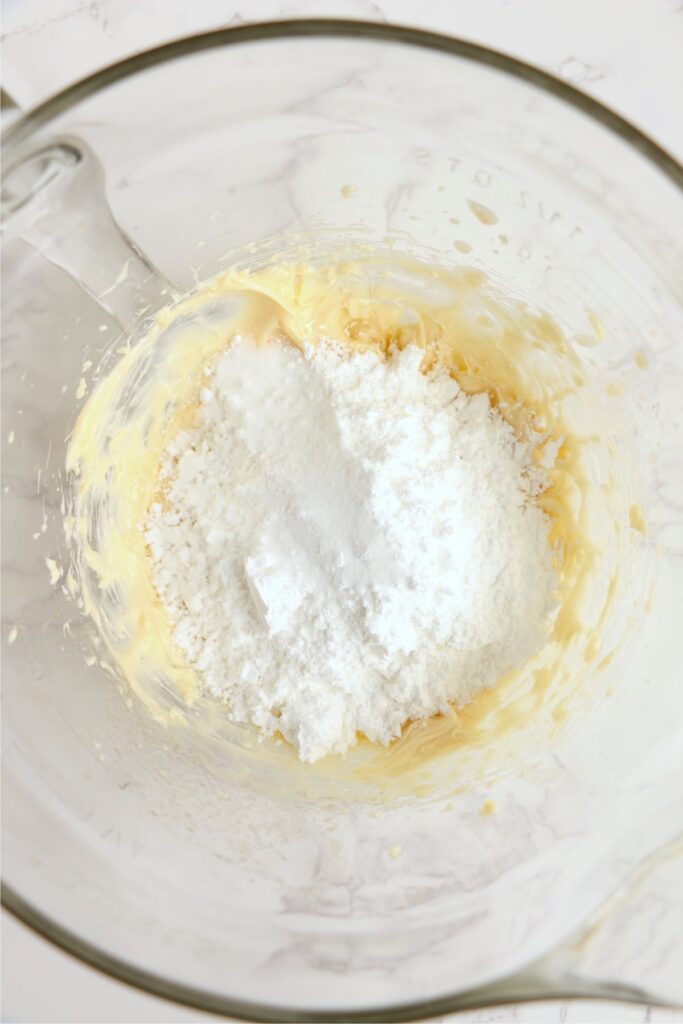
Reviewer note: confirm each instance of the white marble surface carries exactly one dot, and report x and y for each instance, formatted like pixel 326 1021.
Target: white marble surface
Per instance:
pixel 70 992
pixel 625 52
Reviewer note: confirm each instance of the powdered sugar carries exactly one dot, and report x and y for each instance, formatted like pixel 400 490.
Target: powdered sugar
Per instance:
pixel 348 543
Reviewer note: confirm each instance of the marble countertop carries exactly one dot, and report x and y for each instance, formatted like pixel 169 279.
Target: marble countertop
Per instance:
pixel 626 53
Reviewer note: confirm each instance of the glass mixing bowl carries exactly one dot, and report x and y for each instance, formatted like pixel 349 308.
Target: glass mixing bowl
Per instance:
pixel 165 859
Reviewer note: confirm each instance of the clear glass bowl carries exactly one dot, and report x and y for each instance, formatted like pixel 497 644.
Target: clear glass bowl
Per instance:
pixel 170 861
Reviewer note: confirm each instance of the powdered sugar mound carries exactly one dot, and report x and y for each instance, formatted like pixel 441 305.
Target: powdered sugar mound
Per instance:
pixel 348 543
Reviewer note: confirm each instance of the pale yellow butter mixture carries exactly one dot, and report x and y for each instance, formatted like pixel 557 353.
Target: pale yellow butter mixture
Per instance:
pixel 520 357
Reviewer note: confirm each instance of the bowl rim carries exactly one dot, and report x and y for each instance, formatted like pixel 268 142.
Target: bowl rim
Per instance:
pixel 19 131
pixel 27 123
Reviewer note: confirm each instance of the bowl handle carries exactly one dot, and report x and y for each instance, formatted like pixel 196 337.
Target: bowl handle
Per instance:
pixel 54 198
